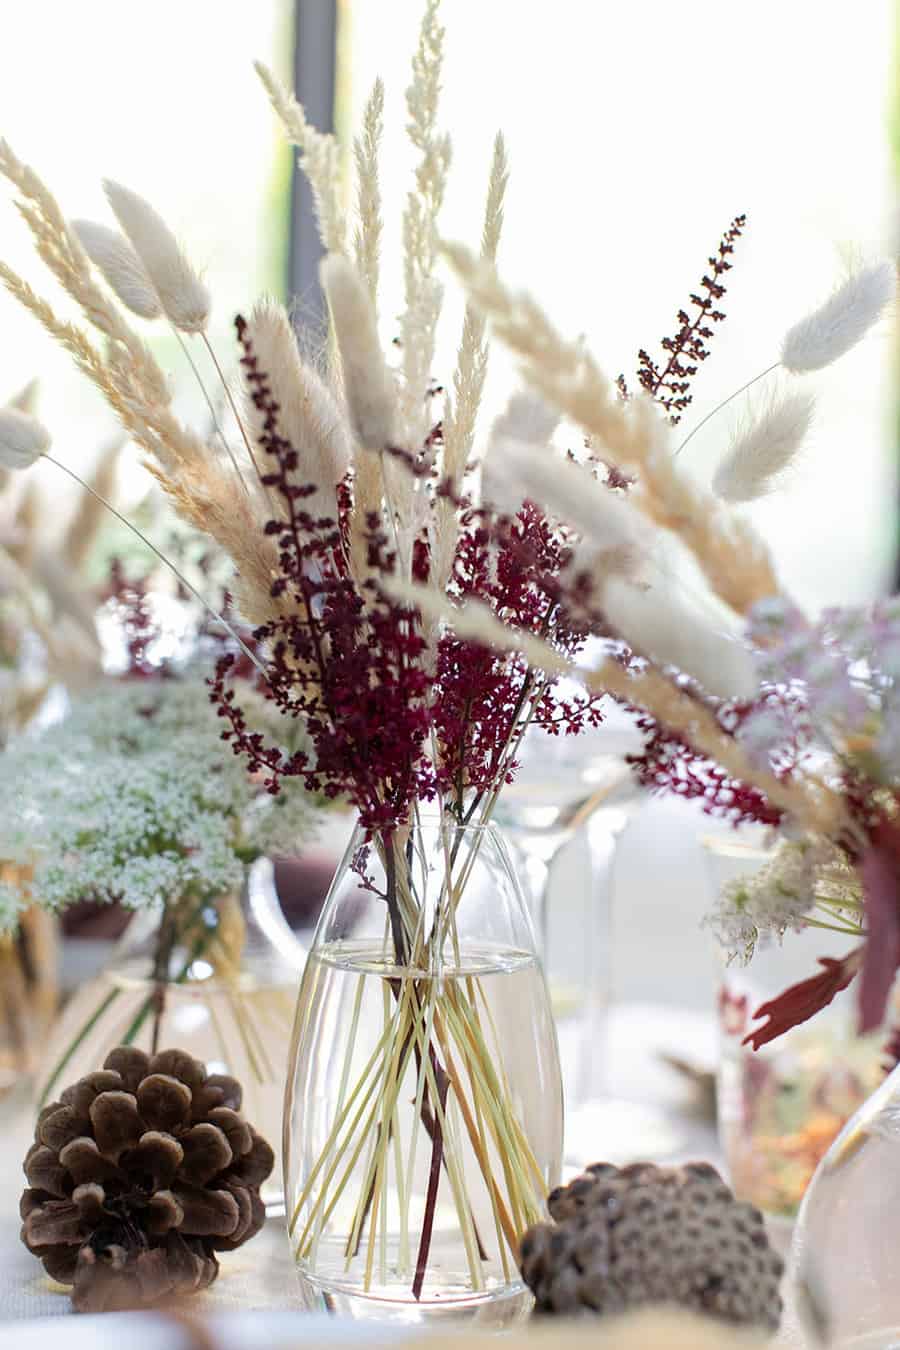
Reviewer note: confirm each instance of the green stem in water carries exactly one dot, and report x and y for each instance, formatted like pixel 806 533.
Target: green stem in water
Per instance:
pixel 67 1054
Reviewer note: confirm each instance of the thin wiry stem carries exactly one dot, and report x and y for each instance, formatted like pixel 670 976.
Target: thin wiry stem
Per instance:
pixel 232 404
pixel 725 401
pixel 214 613
pixel 211 406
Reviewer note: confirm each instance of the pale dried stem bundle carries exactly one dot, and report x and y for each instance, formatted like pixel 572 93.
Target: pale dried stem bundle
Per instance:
pixel 733 559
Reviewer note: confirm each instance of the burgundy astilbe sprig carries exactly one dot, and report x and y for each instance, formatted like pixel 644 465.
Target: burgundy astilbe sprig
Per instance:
pixel 669 382
pixel 347 662
pixel 354 664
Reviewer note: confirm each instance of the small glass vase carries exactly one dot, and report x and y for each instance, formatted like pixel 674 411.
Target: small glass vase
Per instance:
pixel 28 998
pixel 780 1107
pixel 843 1268
pixel 217 980
pixel 423 1123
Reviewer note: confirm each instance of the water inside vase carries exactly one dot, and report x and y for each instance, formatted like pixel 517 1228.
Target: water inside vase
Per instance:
pixel 357 1200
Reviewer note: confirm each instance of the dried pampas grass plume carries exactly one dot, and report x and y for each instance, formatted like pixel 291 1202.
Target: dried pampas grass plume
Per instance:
pixel 23 439
pixel 366 148
pixel 26 399
pixel 319 159
pixel 183 297
pixel 764 449
pixel 121 267
pixel 368 384
pixel 614 530
pixel 308 415
pixel 526 417
pixel 844 319
pixel 91 510
pixel 659 625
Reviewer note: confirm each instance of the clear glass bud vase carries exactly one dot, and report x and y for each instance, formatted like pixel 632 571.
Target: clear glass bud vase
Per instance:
pixel 843 1269
pixel 216 978
pixel 423 1122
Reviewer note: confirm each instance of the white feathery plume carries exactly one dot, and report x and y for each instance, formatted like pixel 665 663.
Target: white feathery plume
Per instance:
pixel 526 417
pixel 461 409
pixel 472 356
pixel 121 267
pixel 841 322
pixel 423 293
pixel 319 159
pixel 368 383
pixel 308 414
pixel 474 620
pixel 764 448
pixel 568 491
pixel 183 297
pixel 657 624
pixel 23 439
pixel 26 399
pixel 367 239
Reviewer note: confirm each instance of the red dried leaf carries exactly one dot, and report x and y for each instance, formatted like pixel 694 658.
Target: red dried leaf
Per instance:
pixel 802 1001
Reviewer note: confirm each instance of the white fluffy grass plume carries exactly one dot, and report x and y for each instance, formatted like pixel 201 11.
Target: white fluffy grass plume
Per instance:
pixel 121 267
pixel 658 624
pixel 308 414
pixel 23 439
pixel 764 448
pixel 368 384
pixel 841 322
pixel 183 297
pixel 608 525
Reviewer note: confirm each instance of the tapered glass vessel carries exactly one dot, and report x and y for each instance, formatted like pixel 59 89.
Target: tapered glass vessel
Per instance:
pixel 423 1123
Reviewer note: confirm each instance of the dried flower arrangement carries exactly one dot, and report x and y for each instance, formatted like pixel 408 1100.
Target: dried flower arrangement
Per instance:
pixel 415 627
pixel 348 479
pixel 761 715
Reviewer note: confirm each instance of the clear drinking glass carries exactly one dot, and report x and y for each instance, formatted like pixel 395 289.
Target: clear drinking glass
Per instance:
pixel 225 993
pixel 781 1106
pixel 423 1123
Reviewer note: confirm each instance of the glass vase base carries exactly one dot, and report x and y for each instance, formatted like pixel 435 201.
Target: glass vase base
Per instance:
pixel 450 1301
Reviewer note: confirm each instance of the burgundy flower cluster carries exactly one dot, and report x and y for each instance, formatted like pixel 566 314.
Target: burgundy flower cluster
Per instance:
pixel 669 383
pixel 392 722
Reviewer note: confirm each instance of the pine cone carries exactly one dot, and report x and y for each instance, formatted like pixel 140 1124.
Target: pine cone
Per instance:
pixel 137 1176
pixel 643 1235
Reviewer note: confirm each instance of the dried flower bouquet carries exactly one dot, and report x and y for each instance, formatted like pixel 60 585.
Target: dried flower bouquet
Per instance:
pixel 348 480
pixel 414 626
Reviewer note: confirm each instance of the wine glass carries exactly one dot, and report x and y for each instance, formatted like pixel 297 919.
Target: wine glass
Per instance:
pixel 562 785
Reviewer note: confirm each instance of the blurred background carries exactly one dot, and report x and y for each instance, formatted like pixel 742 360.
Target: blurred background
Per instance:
pixel 635 134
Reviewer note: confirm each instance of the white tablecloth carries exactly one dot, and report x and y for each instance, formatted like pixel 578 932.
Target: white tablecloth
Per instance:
pixel 254 1303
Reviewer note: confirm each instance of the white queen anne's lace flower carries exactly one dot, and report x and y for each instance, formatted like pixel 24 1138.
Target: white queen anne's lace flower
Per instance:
pixel 135 798
pixel 771 902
